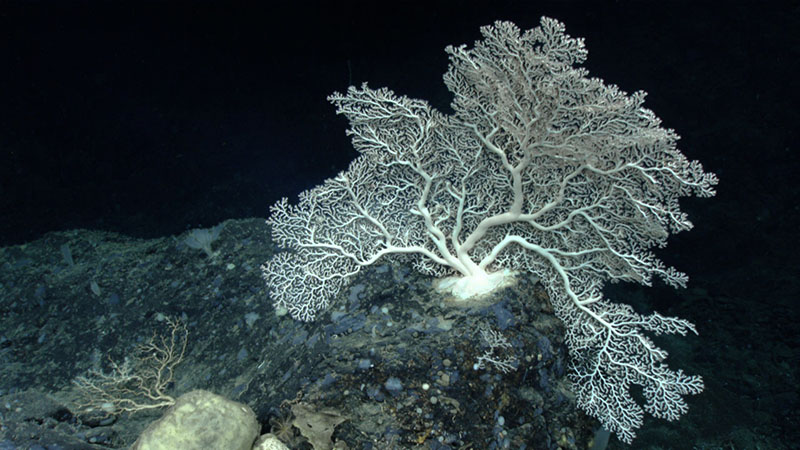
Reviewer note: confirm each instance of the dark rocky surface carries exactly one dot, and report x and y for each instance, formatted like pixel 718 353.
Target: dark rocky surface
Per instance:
pixel 392 356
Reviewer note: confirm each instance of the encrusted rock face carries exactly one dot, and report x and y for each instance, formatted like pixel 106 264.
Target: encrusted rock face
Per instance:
pixel 404 366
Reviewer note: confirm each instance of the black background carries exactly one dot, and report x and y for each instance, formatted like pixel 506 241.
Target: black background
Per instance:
pixel 151 117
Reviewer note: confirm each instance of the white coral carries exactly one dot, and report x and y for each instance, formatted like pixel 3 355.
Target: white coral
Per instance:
pixel 541 169
pixel 202 238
